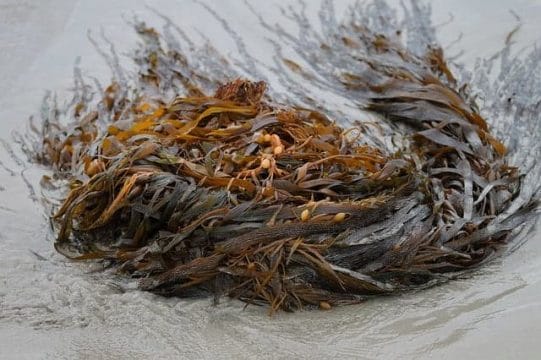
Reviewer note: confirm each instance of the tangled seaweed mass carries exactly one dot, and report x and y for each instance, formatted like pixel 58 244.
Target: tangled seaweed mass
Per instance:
pixel 199 188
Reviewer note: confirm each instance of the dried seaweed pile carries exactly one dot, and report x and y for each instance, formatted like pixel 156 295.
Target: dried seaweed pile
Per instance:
pixel 228 192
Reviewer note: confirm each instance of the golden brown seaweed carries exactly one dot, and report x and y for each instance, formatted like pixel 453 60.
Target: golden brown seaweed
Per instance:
pixel 235 194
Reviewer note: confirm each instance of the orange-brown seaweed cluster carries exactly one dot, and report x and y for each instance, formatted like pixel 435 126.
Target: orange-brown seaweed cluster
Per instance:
pixel 234 194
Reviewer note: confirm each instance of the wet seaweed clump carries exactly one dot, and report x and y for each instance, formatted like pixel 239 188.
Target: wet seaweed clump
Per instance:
pixel 196 191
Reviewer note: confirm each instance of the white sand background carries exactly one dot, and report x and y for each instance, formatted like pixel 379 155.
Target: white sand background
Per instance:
pixel 51 308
